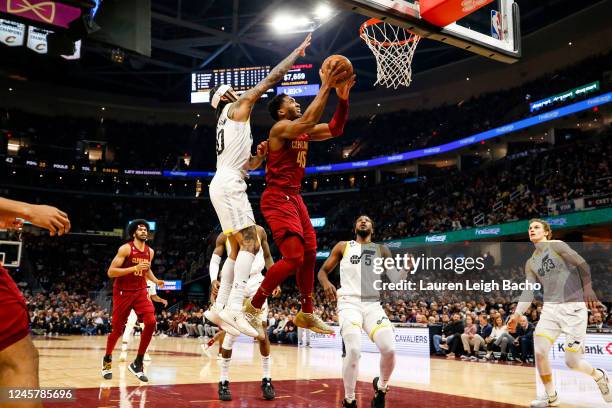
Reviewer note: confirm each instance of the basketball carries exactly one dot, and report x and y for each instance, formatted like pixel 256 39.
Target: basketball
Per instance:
pixel 344 62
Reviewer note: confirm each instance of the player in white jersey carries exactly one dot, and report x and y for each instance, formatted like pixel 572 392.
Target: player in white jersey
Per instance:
pixel 566 284
pixel 133 319
pixel 228 188
pixel 359 308
pixel 221 291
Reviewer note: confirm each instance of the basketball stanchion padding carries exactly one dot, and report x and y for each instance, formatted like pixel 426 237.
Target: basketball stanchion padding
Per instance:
pixel 445 12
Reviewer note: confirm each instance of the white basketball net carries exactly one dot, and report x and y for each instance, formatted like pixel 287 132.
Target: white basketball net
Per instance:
pixel 393 48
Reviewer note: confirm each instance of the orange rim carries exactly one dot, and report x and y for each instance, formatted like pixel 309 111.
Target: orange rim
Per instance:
pixel 366 38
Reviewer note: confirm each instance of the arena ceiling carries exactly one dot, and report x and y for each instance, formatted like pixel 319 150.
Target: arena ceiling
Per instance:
pixel 190 35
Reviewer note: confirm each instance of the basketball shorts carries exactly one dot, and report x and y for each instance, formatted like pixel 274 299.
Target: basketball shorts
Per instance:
pixel 252 285
pixel 14 319
pixel 287 215
pixel 354 316
pixel 126 300
pixel 229 198
pixel 568 318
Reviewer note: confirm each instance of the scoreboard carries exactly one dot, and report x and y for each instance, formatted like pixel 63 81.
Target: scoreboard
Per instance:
pixel 301 80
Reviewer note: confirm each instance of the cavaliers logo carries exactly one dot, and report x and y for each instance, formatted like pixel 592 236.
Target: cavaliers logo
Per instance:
pixel 45 10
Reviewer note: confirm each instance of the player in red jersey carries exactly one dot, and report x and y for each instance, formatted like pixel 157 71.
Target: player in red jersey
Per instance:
pixel 131 269
pixel 281 202
pixel 18 356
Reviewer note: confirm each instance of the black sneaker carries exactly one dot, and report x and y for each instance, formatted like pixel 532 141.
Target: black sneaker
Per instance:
pixel 379 395
pixel 107 369
pixel 138 371
pixel 346 404
pixel 268 389
pixel 224 391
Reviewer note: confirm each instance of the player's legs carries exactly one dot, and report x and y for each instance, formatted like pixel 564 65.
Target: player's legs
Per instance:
pixel 19 369
pixel 127 333
pixel 546 332
pixel 380 331
pixel 122 305
pixel 224 365
pixel 305 274
pixel 146 312
pixel 574 326
pixel 351 321
pixel 248 248
pixel 292 249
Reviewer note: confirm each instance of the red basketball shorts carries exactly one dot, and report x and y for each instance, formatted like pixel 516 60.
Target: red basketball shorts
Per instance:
pixel 126 300
pixel 14 319
pixel 286 214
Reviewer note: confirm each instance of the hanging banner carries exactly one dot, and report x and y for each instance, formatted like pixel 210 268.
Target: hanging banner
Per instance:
pixel 12 33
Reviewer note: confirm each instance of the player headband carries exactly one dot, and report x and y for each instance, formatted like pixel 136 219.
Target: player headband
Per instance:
pixel 217 96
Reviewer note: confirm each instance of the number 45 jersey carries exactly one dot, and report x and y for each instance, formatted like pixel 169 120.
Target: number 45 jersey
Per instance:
pixel 228 188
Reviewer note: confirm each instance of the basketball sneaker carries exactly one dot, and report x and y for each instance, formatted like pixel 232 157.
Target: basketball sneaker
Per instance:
pixel 379 395
pixel 346 404
pixel 146 357
pixel 267 389
pixel 138 371
pixel 224 391
pixel 107 369
pixel 253 316
pixel 212 314
pixel 208 345
pixel 546 401
pixel 237 320
pixel 604 385
pixel 312 322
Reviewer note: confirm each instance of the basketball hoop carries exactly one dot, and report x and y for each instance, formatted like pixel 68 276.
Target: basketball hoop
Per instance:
pixel 393 47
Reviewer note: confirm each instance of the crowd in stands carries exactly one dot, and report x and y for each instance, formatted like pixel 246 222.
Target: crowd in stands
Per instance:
pixel 364 137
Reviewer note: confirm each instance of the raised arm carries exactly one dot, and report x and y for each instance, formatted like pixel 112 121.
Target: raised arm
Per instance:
pixel 328 266
pixel 241 109
pixel 290 129
pixel 335 127
pixel 42 216
pixel 115 270
pixel 572 257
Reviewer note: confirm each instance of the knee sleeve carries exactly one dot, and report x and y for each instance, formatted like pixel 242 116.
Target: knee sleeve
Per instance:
pixel 352 345
pixel 385 340
pixel 572 359
pixel 228 341
pixel 541 346
pixel 292 249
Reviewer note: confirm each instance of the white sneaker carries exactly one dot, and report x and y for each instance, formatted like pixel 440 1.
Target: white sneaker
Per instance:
pixel 146 357
pixel 123 356
pixel 238 321
pixel 212 314
pixel 544 401
pixel 464 357
pixel 604 385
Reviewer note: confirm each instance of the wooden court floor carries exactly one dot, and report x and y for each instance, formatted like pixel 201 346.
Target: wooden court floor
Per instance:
pixel 181 375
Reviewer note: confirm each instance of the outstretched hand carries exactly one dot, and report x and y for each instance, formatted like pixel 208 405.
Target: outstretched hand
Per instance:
pixel 343 90
pixel 302 48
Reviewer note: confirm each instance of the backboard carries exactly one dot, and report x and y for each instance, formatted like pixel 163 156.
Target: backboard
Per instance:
pixel 491 30
pixel 10 254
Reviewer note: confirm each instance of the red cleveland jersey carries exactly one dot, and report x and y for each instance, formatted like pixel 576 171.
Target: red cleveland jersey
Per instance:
pixel 131 281
pixel 285 168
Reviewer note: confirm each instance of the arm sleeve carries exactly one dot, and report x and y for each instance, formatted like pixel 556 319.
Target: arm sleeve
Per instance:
pixel 215 261
pixel 336 124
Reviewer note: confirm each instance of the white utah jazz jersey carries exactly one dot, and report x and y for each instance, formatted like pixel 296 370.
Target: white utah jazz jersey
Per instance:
pixel 560 283
pixel 233 144
pixel 357 270
pixel 259 263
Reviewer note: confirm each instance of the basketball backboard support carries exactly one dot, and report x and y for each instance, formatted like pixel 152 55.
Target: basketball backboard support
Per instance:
pixel 10 253
pixel 492 31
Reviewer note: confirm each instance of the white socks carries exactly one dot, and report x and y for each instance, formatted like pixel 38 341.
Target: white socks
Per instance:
pixel 266 366
pixel 225 366
pixel 225 286
pixel 242 271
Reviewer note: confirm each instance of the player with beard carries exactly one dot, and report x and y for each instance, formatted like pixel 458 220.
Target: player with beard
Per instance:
pixel 359 308
pixel 131 269
pixel 281 203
